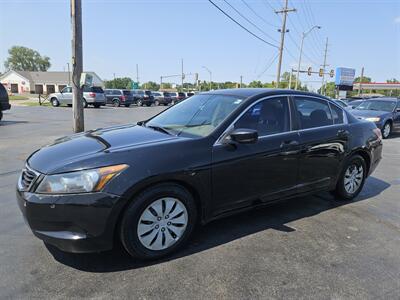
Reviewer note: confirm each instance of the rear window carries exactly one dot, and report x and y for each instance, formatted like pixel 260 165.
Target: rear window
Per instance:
pixel 97 89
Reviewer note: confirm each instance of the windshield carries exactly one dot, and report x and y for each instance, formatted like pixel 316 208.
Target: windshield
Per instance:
pixel 377 105
pixel 198 116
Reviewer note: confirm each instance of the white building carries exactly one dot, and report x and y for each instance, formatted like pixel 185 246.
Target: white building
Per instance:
pixel 18 82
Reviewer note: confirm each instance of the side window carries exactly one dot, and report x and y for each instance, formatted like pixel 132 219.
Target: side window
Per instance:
pixel 118 92
pixel 312 112
pixel 67 89
pixel 267 117
pixel 337 114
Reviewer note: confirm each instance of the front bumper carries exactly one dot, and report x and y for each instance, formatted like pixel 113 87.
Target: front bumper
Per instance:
pixel 4 106
pixel 72 222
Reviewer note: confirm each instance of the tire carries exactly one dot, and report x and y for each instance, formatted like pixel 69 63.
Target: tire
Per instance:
pixel 116 103
pixel 148 104
pixel 386 130
pixel 1 115
pixel 139 103
pixel 156 103
pixel 55 102
pixel 127 105
pixel 155 225
pixel 351 179
pixel 85 104
pixel 96 105
pixel 172 102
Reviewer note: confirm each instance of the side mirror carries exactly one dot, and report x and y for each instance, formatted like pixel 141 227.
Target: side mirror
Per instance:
pixel 398 109
pixel 243 136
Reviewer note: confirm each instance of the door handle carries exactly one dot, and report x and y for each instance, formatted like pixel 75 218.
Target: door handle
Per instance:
pixel 342 133
pixel 288 144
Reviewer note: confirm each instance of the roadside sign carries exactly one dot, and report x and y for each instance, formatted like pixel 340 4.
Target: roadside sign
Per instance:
pixel 345 76
pixel 135 85
pixel 86 79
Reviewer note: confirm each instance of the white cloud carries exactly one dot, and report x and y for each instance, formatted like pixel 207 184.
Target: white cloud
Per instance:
pixel 397 19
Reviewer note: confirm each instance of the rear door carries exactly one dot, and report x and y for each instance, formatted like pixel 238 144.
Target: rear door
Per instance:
pixel 324 139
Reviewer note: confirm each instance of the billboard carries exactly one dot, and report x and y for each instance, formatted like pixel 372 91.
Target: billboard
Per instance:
pixel 345 76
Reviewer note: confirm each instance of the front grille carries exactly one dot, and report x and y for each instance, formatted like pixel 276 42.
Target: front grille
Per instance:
pixel 27 179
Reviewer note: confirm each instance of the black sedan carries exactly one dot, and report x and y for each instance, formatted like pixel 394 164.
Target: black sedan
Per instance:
pixel 384 112
pixel 215 154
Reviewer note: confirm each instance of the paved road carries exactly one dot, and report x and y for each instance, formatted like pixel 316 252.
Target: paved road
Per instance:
pixel 311 247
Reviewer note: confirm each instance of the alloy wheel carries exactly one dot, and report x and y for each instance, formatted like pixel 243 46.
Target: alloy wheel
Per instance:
pixel 162 223
pixel 353 178
pixel 386 130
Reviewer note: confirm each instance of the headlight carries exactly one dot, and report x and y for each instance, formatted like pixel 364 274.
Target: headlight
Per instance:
pixel 374 119
pixel 79 182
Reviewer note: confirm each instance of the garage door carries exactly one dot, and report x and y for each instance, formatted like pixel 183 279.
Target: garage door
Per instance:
pixel 50 88
pixel 39 89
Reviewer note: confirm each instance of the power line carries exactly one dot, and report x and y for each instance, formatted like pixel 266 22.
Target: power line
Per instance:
pixel 268 66
pixel 232 19
pixel 261 18
pixel 244 17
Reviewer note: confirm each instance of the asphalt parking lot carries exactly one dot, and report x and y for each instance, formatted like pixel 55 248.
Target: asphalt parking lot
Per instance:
pixel 311 247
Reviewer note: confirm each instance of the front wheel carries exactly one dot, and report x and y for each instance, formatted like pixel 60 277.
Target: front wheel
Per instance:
pixel 54 102
pixel 352 178
pixel 158 221
pixel 386 130
pixel 156 103
pixel 139 103
pixel 116 103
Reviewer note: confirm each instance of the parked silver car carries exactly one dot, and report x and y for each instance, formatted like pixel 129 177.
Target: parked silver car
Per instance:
pixel 93 95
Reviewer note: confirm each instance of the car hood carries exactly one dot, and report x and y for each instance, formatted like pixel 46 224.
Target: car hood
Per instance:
pixel 90 145
pixel 368 113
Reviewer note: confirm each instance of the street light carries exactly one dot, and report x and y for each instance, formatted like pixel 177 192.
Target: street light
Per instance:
pixel 301 52
pixel 209 71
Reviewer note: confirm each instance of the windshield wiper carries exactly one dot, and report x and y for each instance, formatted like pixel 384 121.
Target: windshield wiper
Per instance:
pixel 158 128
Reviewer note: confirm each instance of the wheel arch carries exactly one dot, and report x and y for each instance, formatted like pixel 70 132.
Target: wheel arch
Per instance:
pixel 365 155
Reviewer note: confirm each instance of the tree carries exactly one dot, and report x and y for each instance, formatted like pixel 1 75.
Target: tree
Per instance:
pixel 26 59
pixel 151 85
pixel 255 84
pixel 119 83
pixel 365 79
pixel 330 89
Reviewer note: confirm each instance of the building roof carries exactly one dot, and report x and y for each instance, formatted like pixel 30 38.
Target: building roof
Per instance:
pixel 49 77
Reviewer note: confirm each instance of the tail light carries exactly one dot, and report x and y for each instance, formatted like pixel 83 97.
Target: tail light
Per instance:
pixel 91 94
pixel 378 133
pixel 123 98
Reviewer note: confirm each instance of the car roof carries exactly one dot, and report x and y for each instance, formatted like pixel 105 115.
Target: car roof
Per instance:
pixel 259 92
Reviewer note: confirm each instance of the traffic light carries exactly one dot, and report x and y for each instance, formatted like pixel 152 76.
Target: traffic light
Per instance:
pixel 321 72
pixel 309 70
pixel 332 73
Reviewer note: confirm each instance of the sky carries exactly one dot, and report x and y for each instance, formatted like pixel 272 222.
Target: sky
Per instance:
pixel 156 35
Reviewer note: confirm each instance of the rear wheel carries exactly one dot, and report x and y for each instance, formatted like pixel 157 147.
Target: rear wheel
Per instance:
pixel 156 103
pixel 139 103
pixel 352 178
pixel 158 221
pixel 386 130
pixel 54 102
pixel 116 103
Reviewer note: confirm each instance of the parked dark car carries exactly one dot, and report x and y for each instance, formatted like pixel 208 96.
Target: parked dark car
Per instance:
pixel 143 97
pixel 177 97
pixel 161 98
pixel 384 112
pixel 341 103
pixel 4 102
pixel 353 104
pixel 227 151
pixel 118 97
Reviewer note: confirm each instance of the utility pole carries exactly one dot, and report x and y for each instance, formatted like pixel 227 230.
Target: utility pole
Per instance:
pixel 241 81
pixel 77 61
pixel 183 75
pixel 290 79
pixel 283 31
pixel 323 88
pixel 137 73
pixel 160 82
pixel 361 80
pixel 69 76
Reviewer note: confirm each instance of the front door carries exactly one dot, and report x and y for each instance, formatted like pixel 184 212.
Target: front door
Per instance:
pixel 66 95
pixel 262 171
pixel 324 139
